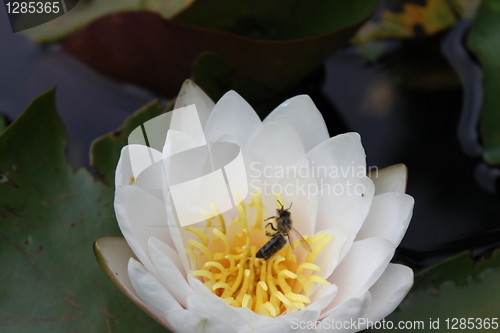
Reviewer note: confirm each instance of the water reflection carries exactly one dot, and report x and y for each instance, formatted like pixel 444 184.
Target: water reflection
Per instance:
pixel 417 125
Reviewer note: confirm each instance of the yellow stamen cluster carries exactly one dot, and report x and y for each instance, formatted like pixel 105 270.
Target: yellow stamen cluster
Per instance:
pixel 230 269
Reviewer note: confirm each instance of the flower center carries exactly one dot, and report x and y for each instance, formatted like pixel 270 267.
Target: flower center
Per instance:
pixel 231 270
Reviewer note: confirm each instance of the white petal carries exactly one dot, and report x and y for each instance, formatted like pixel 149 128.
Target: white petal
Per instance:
pixel 329 257
pixel 323 297
pixel 200 288
pixel 344 205
pixel 134 159
pixel 232 115
pixel 168 270
pixel 253 319
pixel 306 119
pixel 141 216
pixel 113 254
pixel 389 291
pixel 178 142
pixel 179 236
pixel 259 322
pixel 342 154
pixel 229 138
pixel 346 315
pixel 277 328
pixel 389 217
pixel 360 269
pixel 311 312
pixel 277 145
pixel 247 157
pixel 152 180
pixel 192 94
pixel 195 322
pixel 259 182
pixel 218 309
pixel 301 194
pixel 187 121
pixel 390 179
pixel 150 290
pixel 168 251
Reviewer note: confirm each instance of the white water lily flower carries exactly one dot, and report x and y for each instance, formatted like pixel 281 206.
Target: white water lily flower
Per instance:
pixel 214 283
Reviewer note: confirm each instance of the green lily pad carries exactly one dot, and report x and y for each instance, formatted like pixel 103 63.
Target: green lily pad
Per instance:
pixel 50 216
pixel 113 254
pixel 484 41
pixel 215 75
pixel 455 288
pixel 106 149
pixel 275 20
pixel 289 41
pixel 3 124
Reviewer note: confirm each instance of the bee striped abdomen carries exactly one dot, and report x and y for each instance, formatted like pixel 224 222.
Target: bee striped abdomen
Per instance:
pixel 272 246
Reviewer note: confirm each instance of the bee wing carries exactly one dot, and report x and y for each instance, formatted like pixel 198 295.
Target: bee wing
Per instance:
pixel 304 243
pixel 297 235
pixel 290 240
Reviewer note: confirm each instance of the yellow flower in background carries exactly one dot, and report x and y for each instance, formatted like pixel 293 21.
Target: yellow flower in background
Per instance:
pixel 432 17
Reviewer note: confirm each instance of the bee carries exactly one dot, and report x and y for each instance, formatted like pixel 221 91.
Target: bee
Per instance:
pixel 284 229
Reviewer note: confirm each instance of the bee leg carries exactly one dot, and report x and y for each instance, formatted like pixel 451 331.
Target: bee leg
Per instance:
pixel 270 234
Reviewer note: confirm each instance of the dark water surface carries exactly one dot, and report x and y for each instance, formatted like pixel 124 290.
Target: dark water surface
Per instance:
pixel 397 123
